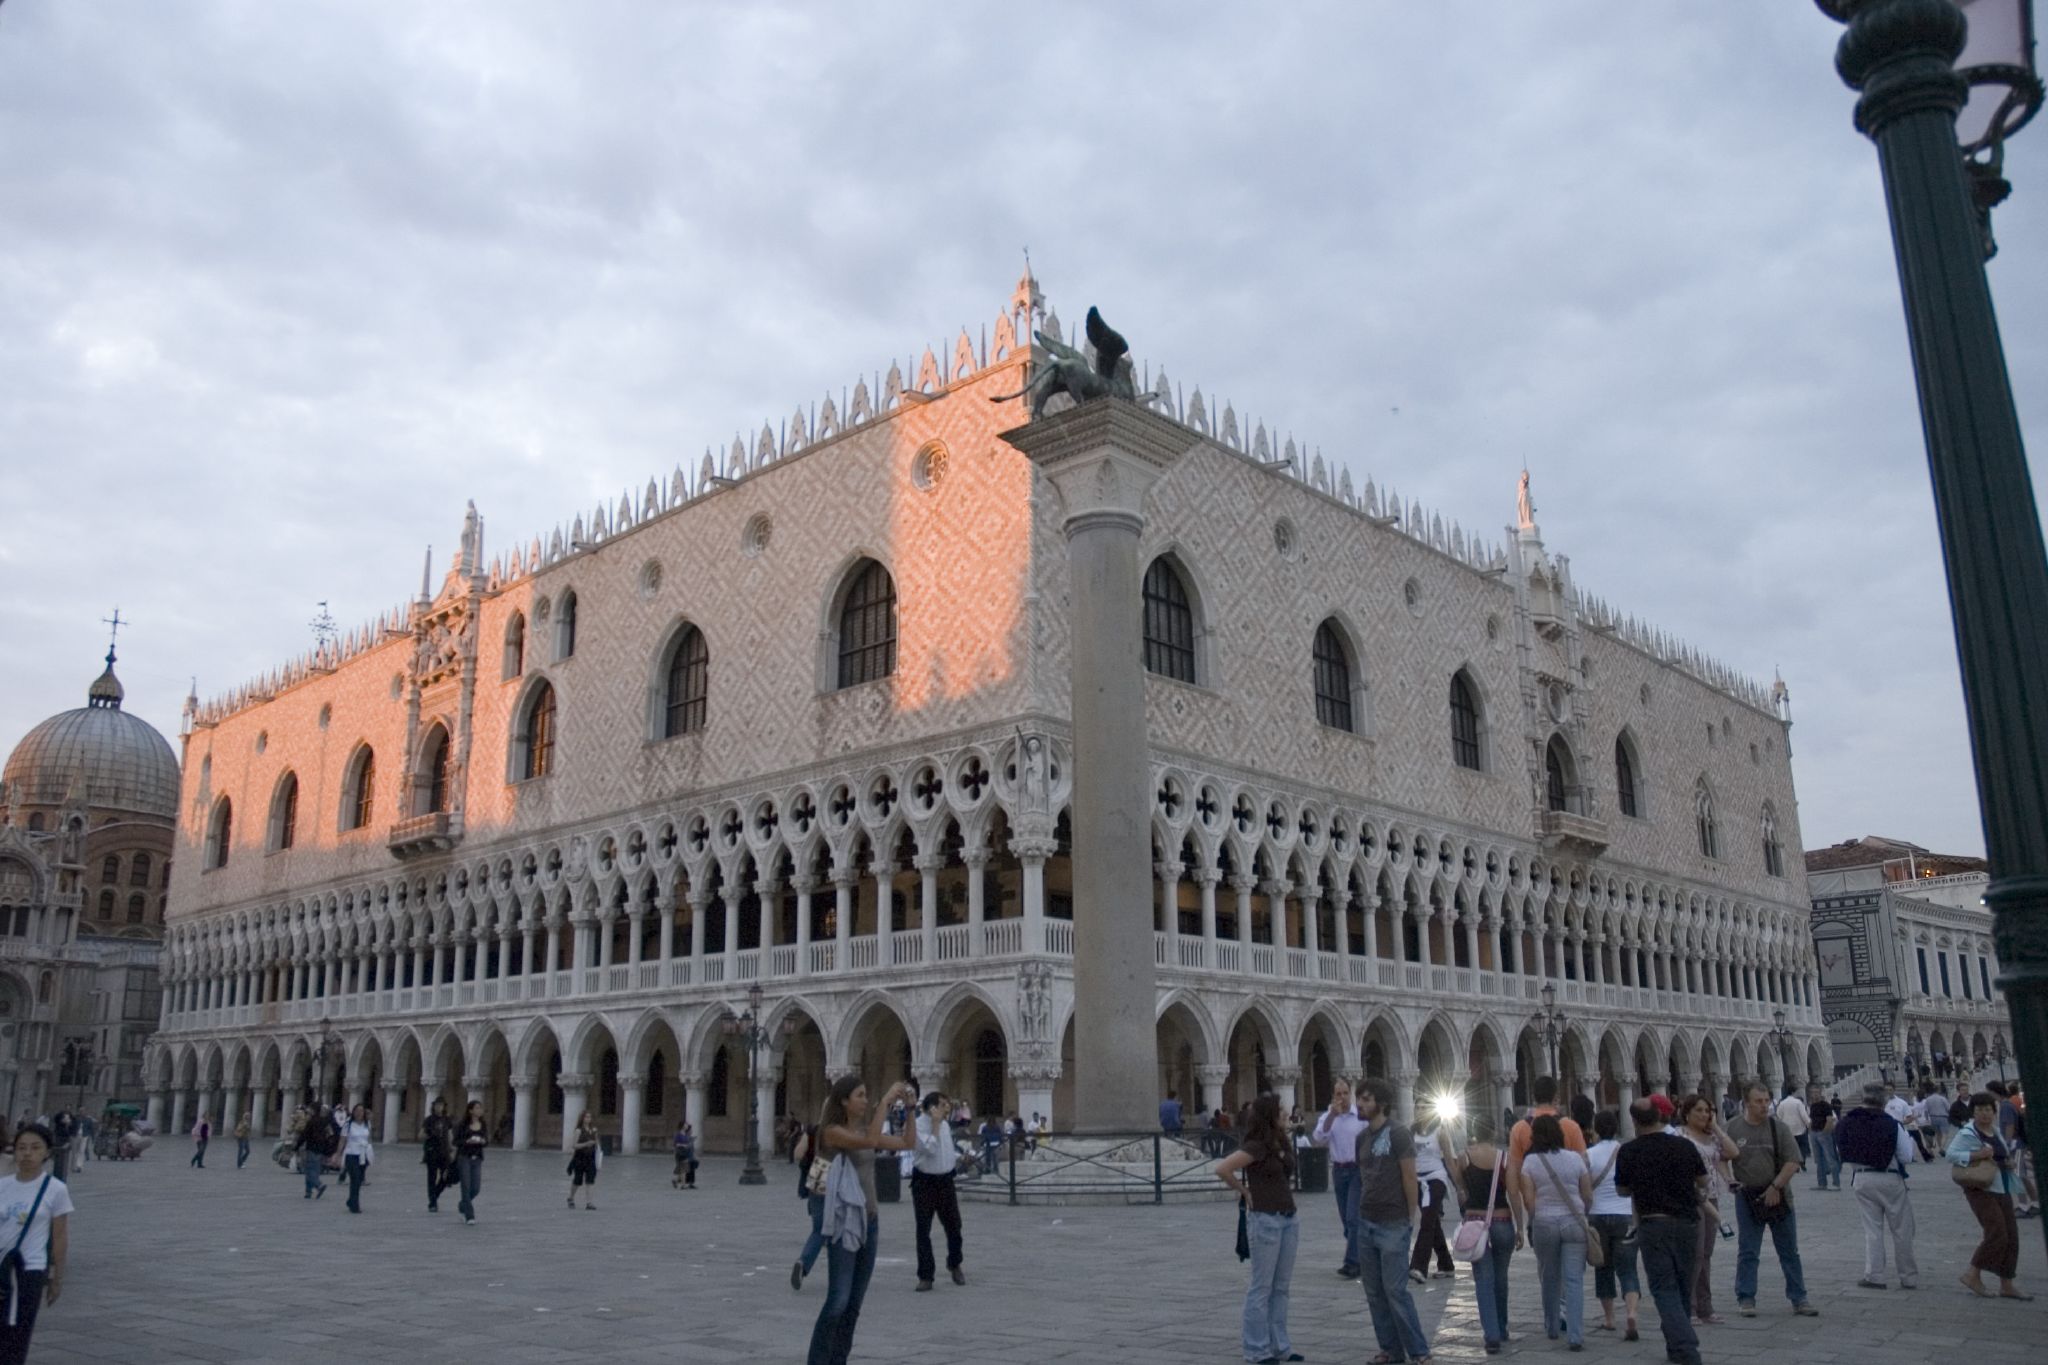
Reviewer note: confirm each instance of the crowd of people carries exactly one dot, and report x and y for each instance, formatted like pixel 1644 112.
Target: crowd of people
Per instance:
pixel 1645 1214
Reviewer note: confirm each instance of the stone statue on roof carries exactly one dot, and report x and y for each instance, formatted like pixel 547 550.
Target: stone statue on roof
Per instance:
pixel 1108 374
pixel 1525 506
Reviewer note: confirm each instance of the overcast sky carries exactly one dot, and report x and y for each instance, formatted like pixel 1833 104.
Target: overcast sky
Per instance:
pixel 282 285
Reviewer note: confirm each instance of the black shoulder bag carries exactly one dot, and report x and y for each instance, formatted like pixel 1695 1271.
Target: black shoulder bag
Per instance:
pixel 1766 1214
pixel 13 1265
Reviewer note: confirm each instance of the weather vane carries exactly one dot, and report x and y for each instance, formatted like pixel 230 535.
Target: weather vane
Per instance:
pixel 323 627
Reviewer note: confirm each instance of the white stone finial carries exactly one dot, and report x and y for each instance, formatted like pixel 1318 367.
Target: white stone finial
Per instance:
pixel 1525 506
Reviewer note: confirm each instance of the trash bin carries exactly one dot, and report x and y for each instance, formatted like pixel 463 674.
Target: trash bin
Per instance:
pixel 888 1178
pixel 1312 1169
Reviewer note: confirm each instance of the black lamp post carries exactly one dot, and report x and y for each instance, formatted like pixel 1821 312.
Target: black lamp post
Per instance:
pixel 1998 1054
pixel 1553 1025
pixel 1940 133
pixel 1784 1037
pixel 748 1027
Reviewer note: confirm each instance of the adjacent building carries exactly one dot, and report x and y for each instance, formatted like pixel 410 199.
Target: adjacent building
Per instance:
pixel 790 733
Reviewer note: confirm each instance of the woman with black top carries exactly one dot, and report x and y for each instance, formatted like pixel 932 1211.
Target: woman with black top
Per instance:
pixel 1490 1194
pixel 1261 1171
pixel 437 1153
pixel 472 1136
pixel 583 1162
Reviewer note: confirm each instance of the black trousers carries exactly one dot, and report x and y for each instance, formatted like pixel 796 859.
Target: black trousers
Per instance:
pixel 934 1194
pixel 29 1302
pixel 440 1175
pixel 1429 1234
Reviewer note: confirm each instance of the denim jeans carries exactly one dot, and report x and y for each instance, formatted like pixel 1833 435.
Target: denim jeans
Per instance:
pixel 309 1165
pixel 241 1153
pixel 1344 1181
pixel 814 1243
pixel 848 1273
pixel 1612 1230
pixel 355 1168
pixel 1749 1241
pixel 469 1171
pixel 1273 1237
pixel 1383 1271
pixel 1827 1161
pixel 1490 1279
pixel 1668 1246
pixel 1561 1268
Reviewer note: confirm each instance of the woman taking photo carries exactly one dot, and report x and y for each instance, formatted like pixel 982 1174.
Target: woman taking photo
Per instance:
pixel 1491 1195
pixel 437 1153
pixel 1983 1163
pixel 356 1154
pixel 849 1135
pixel 472 1136
pixel 583 1162
pixel 1433 1158
pixel 1557 1191
pixel 1699 1125
pixel 1261 1172
pixel 35 1206
pixel 1612 1217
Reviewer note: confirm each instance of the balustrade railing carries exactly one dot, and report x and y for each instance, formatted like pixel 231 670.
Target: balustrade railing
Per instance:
pixel 1059 937
pixel 1194 953
pixel 953 943
pixel 1229 956
pixel 1262 959
pixel 864 952
pixel 907 945
pixel 824 955
pixel 748 965
pixel 782 960
pixel 1001 937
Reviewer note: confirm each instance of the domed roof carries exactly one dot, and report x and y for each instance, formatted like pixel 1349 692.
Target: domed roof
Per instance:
pixel 100 752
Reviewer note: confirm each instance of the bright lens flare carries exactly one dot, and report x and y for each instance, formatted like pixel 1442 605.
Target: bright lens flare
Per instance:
pixel 1449 1107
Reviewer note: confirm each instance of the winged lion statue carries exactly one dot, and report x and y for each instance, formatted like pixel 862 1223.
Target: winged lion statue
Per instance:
pixel 1070 371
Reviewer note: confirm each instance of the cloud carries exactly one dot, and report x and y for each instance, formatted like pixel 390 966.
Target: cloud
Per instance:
pixel 285 285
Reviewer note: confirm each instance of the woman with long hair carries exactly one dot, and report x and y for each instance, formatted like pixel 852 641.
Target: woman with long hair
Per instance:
pixel 583 1161
pixel 849 1135
pixel 1612 1216
pixel 37 1207
pixel 1702 1126
pixel 1261 1172
pixel 356 1154
pixel 1976 1145
pixel 1558 1190
pixel 437 1152
pixel 1491 1195
pixel 472 1137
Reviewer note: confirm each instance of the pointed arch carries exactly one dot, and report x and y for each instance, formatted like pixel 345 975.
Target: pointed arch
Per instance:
pixel 679 697
pixel 1467 722
pixel 220 834
pixel 359 789
pixel 1170 621
pixel 514 662
pixel 862 632
pixel 1631 792
pixel 1706 825
pixel 284 813
pixel 531 754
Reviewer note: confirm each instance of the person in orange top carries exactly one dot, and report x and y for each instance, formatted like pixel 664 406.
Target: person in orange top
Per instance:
pixel 1545 1093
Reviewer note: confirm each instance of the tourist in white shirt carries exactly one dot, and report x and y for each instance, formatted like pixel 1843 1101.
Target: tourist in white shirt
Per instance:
pixel 356 1154
pixel 43 1239
pixel 1792 1113
pixel 1338 1130
pixel 933 1162
pixel 1612 1215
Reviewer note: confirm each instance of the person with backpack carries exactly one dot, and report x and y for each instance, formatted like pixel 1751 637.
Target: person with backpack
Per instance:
pixel 810 1187
pixel 1876 1150
pixel 1827 1157
pixel 318 1140
pixel 1766 1160
pixel 34 1201
pixel 202 1133
pixel 684 1177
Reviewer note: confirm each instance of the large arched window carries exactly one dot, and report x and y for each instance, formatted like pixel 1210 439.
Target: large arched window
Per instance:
pixel 220 833
pixel 1465 751
pixel 138 870
pixel 136 909
pixel 1625 780
pixel 565 625
pixel 1557 781
pixel 359 792
pixel 430 782
pixel 687 684
pixel 1774 851
pixel 515 647
pixel 284 812
pixel 536 740
pixel 1169 623
pixel 867 626
pixel 1333 678
pixel 110 869
pixel 1703 817
pixel 106 905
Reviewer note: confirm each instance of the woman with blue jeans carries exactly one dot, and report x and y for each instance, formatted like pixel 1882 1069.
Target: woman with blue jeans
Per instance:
pixel 1490 1194
pixel 850 1132
pixel 1557 1190
pixel 1261 1172
pixel 1612 1218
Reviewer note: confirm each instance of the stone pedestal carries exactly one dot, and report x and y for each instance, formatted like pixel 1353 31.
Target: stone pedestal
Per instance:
pixel 1103 457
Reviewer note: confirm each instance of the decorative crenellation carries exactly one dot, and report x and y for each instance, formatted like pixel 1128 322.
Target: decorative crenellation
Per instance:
pixel 395 624
pixel 1597 614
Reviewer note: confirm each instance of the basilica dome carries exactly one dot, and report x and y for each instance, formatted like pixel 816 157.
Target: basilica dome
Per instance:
pixel 98 753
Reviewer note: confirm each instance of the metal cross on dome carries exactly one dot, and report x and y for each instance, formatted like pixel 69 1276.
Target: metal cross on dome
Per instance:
pixel 114 633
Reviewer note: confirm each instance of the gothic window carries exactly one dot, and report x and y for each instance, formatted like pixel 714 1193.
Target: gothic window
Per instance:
pixel 110 869
pixel 1169 623
pixel 35 823
pixel 867 626
pixel 1703 818
pixel 565 626
pixel 1333 678
pixel 138 870
pixel 714 1089
pixel 515 647
pixel 220 832
pixel 1774 851
pixel 1464 722
pixel 106 905
pixel 1556 780
pixel 687 684
pixel 431 786
pixel 536 746
pixel 284 812
pixel 359 793
pixel 1625 780
pixel 135 909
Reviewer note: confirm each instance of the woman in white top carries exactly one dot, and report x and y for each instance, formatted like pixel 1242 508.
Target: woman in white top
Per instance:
pixel 1716 1149
pixel 1557 1190
pixel 1433 1157
pixel 1612 1216
pixel 35 1216
pixel 356 1154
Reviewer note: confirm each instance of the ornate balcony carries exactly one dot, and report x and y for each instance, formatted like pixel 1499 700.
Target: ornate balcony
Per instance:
pixel 1571 832
pixel 435 832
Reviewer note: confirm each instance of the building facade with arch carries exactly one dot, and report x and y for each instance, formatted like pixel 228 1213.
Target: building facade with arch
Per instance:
pixel 798 722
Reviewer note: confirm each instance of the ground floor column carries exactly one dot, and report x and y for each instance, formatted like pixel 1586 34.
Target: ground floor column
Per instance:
pixel 1503 1102
pixel 206 1099
pixel 575 1092
pixel 629 1113
pixel 259 1111
pixel 1034 1092
pixel 1404 1096
pixel 478 1088
pixel 178 1124
pixel 693 1101
pixel 1211 1079
pixel 394 1099
pixel 522 1113
pixel 1284 1080
pixel 230 1110
pixel 155 1110
pixel 764 1110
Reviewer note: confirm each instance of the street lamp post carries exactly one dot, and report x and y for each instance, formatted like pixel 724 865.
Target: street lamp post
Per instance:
pixel 748 1028
pixel 1998 1053
pixel 1940 133
pixel 1784 1037
pixel 1553 1024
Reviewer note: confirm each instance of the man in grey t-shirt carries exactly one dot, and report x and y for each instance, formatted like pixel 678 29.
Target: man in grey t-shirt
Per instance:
pixel 1766 1160
pixel 1388 1199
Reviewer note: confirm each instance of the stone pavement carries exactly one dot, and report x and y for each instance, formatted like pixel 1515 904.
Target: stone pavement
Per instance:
pixel 171 1265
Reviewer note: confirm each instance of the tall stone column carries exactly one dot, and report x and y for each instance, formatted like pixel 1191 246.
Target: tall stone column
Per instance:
pixel 804 886
pixel 1033 1082
pixel 1242 883
pixel 178 1126
pixel 1211 1079
pixel 1103 457
pixel 693 1102
pixel 1285 1081
pixel 394 1097
pixel 575 1093
pixel 259 1111
pixel 1404 1096
pixel 522 1113
pixel 844 880
pixel 976 860
pixel 629 1113
pixel 155 1110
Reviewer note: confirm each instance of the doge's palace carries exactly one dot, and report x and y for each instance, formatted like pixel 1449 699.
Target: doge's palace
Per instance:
pixel 796 721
